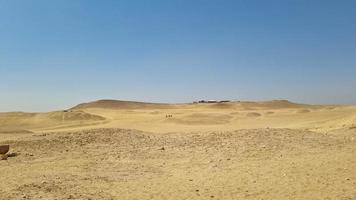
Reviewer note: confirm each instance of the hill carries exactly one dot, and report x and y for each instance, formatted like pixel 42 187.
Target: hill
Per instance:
pixel 117 104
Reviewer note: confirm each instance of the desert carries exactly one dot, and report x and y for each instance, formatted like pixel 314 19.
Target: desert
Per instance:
pixel 111 149
pixel 177 100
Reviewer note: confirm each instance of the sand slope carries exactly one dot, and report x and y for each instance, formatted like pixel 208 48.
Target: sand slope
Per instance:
pixel 50 120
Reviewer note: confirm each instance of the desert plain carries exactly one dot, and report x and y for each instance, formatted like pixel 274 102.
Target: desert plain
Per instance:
pixel 108 149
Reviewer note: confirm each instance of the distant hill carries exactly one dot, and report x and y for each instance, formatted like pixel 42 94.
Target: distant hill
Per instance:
pixel 117 104
pixel 274 104
pixel 248 105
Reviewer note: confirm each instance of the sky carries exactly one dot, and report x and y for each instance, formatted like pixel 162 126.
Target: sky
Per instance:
pixel 56 54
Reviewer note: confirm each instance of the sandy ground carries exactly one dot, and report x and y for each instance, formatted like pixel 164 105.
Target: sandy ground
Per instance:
pixel 222 151
pixel 184 117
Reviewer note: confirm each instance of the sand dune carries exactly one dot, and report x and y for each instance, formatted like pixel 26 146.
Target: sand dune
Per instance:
pixel 116 104
pixel 202 119
pixel 38 121
pixel 275 104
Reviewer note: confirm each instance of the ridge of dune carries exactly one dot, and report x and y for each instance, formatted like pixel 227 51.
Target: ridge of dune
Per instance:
pixel 273 104
pixel 119 104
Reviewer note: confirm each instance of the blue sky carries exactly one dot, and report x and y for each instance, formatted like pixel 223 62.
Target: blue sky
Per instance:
pixel 55 54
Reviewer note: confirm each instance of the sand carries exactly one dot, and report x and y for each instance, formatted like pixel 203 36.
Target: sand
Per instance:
pixel 237 150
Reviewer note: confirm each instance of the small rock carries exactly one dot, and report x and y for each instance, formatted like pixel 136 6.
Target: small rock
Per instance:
pixel 3 157
pixel 162 149
pixel 12 155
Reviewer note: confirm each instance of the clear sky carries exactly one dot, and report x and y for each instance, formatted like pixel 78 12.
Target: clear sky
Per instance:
pixel 55 54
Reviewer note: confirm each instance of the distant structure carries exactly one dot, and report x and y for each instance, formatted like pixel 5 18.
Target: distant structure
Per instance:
pixel 211 101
